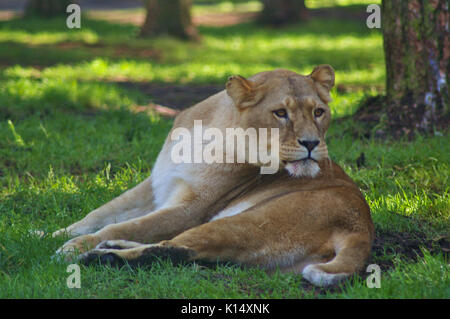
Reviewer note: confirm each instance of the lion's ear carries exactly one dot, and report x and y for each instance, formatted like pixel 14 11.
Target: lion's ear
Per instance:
pixel 243 92
pixel 323 76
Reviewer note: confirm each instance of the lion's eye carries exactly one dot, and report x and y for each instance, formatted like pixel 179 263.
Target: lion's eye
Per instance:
pixel 282 113
pixel 318 112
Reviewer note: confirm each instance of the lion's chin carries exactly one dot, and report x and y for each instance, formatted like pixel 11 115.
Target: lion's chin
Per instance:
pixel 303 168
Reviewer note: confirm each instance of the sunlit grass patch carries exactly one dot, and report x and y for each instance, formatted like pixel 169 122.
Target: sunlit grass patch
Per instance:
pixel 342 3
pixel 26 95
pixel 200 7
pixel 427 278
pixel 46 37
pixel 399 178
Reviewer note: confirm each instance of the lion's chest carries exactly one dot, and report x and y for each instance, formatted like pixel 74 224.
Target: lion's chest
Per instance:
pixel 169 179
pixel 168 176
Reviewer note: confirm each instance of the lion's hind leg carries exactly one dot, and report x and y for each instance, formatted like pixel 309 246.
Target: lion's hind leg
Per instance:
pixel 351 254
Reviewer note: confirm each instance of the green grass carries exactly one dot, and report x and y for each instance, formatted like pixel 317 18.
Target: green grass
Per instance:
pixel 355 51
pixel 70 141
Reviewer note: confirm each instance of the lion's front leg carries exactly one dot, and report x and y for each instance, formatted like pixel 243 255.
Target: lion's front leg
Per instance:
pixel 134 203
pixel 160 225
pixel 78 245
pixel 230 239
pixel 87 242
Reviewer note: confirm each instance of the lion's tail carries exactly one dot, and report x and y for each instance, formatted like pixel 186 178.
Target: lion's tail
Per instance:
pixel 351 255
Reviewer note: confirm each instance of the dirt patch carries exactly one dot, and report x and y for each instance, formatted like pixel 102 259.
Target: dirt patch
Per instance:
pixel 342 13
pixel 221 19
pixel 208 19
pixel 118 51
pixel 177 97
pixel 404 119
pixel 406 246
pixel 135 17
pixel 224 19
pixel 7 15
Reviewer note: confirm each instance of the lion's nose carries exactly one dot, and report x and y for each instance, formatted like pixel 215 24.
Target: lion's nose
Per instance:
pixel 310 145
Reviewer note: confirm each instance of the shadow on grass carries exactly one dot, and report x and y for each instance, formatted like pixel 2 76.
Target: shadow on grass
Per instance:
pixel 35 25
pixel 49 42
pixel 46 42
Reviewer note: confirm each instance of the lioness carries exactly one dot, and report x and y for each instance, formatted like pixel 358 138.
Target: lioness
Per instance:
pixel 307 218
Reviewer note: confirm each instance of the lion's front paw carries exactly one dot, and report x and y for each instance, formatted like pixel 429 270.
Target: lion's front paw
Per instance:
pixel 117 244
pixel 76 246
pixel 111 252
pixel 102 256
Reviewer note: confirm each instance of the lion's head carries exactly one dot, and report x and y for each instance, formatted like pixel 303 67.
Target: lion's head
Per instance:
pixel 296 104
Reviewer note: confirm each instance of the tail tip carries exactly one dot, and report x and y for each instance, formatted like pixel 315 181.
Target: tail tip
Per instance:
pixel 320 278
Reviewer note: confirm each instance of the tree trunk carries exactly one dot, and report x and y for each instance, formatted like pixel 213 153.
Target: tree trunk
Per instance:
pixel 417 53
pixel 171 17
pixel 47 8
pixel 279 12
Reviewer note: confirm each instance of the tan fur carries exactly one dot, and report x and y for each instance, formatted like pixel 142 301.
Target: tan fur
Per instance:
pixel 308 218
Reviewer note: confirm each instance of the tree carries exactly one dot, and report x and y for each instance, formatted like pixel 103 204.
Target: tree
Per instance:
pixel 172 17
pixel 47 8
pixel 417 53
pixel 279 12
